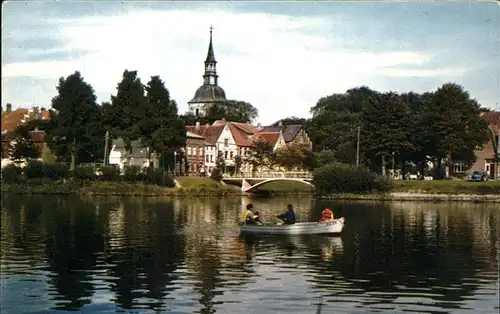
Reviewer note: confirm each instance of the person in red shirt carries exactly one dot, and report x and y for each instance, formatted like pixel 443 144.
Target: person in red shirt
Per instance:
pixel 326 215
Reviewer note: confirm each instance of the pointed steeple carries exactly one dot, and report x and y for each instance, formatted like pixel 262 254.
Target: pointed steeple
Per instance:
pixel 210 54
pixel 210 76
pixel 210 92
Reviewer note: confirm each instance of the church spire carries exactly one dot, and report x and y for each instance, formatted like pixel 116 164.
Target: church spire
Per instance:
pixel 210 54
pixel 210 76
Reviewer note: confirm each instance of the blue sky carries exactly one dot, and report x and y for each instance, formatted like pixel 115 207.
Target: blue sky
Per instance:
pixel 279 56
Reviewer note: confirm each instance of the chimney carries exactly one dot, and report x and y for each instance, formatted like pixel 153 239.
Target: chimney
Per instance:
pixel 259 125
pixel 197 126
pixel 35 109
pixel 43 109
pixel 280 124
pixel 9 107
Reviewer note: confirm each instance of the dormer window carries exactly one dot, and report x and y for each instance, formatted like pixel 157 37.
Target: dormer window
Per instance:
pixel 226 142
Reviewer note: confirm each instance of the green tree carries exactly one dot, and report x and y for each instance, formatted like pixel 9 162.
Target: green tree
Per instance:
pixel 419 152
pixel 291 157
pixel 290 121
pixel 127 109
pixel 325 157
pixel 218 170
pixel 336 117
pixel 160 126
pixel 454 126
pixel 261 155
pixel 22 148
pixel 76 122
pixel 238 162
pixel 346 153
pixel 386 127
pixel 39 125
pixel 231 110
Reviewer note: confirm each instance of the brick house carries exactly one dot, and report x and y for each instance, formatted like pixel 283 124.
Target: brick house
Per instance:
pixel 195 154
pixel 485 157
pixel 211 134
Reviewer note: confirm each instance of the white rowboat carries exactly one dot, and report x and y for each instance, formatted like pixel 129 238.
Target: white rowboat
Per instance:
pixel 330 227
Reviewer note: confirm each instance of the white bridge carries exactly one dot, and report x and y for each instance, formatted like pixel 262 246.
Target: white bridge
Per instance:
pixel 251 181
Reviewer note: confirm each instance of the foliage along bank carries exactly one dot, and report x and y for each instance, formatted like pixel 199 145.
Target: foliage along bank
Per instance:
pixel 41 178
pixel 77 128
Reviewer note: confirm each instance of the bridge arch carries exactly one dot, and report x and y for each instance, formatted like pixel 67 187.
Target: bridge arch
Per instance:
pixel 250 188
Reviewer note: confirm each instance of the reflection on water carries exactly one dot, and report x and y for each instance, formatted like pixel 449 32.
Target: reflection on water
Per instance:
pixel 187 256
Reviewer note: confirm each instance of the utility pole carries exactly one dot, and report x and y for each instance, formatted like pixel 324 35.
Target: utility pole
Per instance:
pixel 106 148
pixel 497 153
pixel 357 147
pixel 162 151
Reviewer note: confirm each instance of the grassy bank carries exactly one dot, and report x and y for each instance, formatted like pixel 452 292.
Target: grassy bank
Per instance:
pixel 450 187
pixel 107 188
pixel 283 187
pixel 193 186
pixel 432 191
pixel 204 186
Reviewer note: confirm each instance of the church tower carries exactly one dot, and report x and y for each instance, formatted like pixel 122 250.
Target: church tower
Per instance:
pixel 210 92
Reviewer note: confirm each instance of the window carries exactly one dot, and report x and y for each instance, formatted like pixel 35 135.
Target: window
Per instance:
pixel 225 154
pixel 189 150
pixel 207 158
pixel 200 151
pixel 226 142
pixel 211 158
pixel 458 167
pixel 231 155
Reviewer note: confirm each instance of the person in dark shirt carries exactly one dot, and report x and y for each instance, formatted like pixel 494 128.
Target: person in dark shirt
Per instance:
pixel 288 217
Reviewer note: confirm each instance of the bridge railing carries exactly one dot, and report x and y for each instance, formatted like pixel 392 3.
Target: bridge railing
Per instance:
pixel 271 175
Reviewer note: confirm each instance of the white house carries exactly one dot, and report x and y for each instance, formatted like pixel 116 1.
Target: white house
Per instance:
pixel 226 145
pixel 119 156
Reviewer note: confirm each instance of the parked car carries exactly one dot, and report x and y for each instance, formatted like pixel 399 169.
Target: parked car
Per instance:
pixel 479 176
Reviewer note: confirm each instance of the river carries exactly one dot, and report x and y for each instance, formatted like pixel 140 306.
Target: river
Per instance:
pixel 186 256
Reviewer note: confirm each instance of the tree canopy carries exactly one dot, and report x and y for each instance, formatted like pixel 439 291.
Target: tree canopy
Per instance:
pixel 231 110
pixel 408 127
pixel 76 132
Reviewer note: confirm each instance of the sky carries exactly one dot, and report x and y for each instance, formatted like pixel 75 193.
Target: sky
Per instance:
pixel 281 57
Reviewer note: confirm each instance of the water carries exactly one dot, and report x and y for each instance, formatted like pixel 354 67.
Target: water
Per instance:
pixel 186 256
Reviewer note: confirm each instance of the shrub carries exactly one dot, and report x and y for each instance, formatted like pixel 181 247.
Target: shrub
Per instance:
pixel 85 173
pixel 133 174
pixel 55 171
pixel 216 174
pixel 109 173
pixel 158 177
pixel 343 178
pixel 34 169
pixel 11 174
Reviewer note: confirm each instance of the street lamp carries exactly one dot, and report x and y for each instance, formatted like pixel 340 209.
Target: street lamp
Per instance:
pixel 175 163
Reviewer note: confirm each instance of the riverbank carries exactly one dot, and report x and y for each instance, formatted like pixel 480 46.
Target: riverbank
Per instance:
pixel 419 197
pixel 205 187
pixel 432 191
pixel 106 188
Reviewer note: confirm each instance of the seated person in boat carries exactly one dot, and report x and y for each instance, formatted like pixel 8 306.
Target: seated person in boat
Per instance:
pixel 256 218
pixel 248 216
pixel 326 215
pixel 288 217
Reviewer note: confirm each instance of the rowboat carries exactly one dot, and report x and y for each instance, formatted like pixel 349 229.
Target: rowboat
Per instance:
pixel 329 227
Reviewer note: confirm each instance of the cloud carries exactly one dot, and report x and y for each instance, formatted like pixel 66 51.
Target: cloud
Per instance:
pixel 448 72
pixel 280 64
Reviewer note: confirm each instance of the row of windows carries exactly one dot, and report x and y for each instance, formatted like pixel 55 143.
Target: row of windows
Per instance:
pixel 195 151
